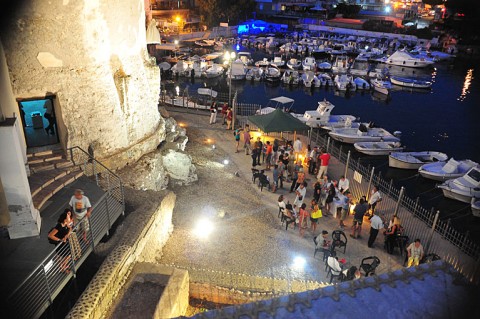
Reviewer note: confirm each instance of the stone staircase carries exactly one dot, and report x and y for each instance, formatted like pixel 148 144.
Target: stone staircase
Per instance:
pixel 50 171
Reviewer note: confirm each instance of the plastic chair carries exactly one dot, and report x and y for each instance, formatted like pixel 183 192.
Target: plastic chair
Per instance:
pixel 369 264
pixel 339 240
pixel 334 269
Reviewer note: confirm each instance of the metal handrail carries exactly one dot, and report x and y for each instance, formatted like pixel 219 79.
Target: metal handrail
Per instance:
pixel 42 285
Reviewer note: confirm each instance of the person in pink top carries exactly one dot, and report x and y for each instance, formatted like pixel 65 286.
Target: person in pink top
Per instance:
pixel 324 160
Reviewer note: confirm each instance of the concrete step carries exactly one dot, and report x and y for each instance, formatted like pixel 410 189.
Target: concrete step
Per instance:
pixel 51 164
pixel 45 185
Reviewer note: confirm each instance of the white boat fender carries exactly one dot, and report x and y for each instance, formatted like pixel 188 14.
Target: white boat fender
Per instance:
pixel 397 133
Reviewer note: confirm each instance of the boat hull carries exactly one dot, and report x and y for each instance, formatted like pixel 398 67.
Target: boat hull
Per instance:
pixel 397 163
pixel 476 209
pixel 453 194
pixel 438 177
pixel 355 139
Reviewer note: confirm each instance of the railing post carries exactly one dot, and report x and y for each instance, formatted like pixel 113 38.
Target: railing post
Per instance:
pixel 432 231
pixel 465 239
pixel 370 182
pixel 90 230
pixel 72 259
pixel 50 300
pixel 94 161
pixel 108 216
pixel 390 187
pixel 447 226
pixel 71 155
pixel 417 202
pixel 340 154
pixel 399 201
pixel 328 143
pixel 347 164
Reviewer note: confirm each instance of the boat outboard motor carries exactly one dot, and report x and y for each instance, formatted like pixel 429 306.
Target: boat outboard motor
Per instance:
pixel 363 128
pixel 397 134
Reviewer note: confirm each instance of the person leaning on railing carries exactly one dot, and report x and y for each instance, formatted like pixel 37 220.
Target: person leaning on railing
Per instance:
pixel 58 235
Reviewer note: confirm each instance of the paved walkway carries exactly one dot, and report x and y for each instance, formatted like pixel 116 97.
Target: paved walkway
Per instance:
pixel 262 247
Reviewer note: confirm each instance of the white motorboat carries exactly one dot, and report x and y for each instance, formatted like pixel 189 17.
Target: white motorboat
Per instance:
pixel 340 65
pixel 294 64
pixel 245 57
pixel 262 63
pixel 278 61
pixel 181 68
pixel 404 58
pixel 316 82
pixel 291 77
pixel 413 160
pixel 475 203
pixel 344 82
pixel 205 43
pixel 308 64
pixel 363 134
pixel 272 74
pixel 238 70
pixel 381 86
pixel 165 66
pixel 214 70
pixel 411 83
pixel 307 78
pixel 463 188
pixel 361 84
pixel 325 79
pixel 442 171
pixel 322 118
pixel 378 148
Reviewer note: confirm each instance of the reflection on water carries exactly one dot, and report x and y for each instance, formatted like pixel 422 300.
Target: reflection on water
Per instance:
pixel 466 85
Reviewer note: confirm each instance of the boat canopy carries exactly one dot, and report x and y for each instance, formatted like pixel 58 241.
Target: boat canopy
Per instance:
pixel 209 92
pixel 281 101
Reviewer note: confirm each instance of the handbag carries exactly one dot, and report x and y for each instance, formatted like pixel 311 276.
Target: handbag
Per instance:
pixel 317 214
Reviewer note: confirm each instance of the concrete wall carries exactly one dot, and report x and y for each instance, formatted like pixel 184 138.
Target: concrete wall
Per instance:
pixel 140 242
pixel 92 56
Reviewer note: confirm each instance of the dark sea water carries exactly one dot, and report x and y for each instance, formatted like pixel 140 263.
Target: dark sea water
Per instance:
pixel 445 118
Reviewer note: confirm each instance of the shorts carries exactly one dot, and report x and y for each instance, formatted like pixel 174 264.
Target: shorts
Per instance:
pixel 343 214
pixel 313 220
pixel 269 158
pixel 357 221
pixel 237 139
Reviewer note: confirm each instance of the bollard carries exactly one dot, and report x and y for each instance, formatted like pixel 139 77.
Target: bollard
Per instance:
pixel 432 231
pixel 399 201
pixel 347 164
pixel 370 183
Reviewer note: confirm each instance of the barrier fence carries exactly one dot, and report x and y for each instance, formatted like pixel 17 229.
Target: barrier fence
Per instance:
pixel 437 236
pixel 38 291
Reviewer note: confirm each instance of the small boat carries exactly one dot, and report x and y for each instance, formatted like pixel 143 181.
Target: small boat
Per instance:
pixel 322 118
pixel 165 66
pixel 278 61
pixel 214 71
pixel 413 160
pixel 325 79
pixel 361 84
pixel 363 134
pixel 262 63
pixel 316 82
pixel 411 83
pixel 344 82
pixel 404 58
pixel 340 65
pixel 463 188
pixel 442 171
pixel 272 74
pixel 290 77
pixel 309 64
pixel 381 86
pixel 205 43
pixel 378 148
pixel 180 69
pixel 238 70
pixel 475 206
pixel 245 57
pixel 307 78
pixel 324 66
pixel 294 64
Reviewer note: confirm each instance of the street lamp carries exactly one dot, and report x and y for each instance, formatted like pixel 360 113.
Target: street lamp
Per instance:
pixel 176 45
pixel 229 58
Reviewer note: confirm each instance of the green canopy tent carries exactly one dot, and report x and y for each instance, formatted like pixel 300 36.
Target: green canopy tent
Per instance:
pixel 278 121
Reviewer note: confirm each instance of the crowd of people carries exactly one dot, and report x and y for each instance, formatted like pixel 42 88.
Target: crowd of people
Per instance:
pixel 287 167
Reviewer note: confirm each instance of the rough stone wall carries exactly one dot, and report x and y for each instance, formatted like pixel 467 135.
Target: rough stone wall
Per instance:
pixel 92 55
pixel 142 241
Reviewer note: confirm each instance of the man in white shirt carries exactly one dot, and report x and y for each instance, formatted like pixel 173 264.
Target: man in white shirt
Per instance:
pixel 312 160
pixel 81 208
pixel 297 147
pixel 343 184
pixel 375 198
pixel 301 192
pixel 376 223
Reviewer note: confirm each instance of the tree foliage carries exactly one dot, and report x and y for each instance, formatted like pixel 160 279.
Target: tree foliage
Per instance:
pixel 213 12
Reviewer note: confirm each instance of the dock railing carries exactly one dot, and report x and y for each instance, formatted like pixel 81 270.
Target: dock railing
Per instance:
pixel 437 236
pixel 38 291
